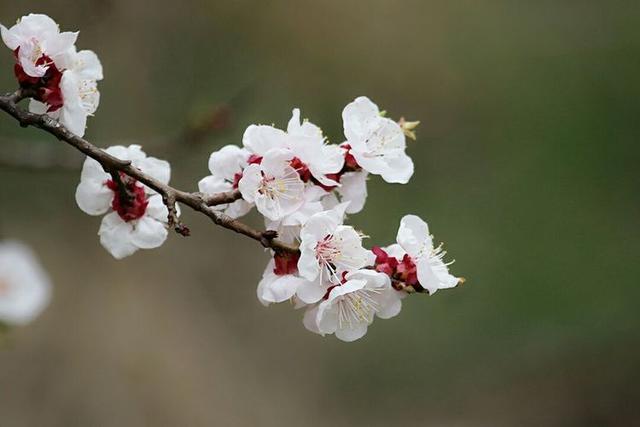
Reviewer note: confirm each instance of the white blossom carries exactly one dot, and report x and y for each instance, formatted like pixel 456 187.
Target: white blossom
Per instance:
pixel 79 90
pixel 328 248
pixel 414 239
pixel 350 307
pixel 273 185
pixel 25 288
pixel 137 223
pixel 226 166
pixel 377 143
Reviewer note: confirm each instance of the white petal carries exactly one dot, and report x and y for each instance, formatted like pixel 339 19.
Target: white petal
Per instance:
pixel 390 303
pixel 413 236
pixel 373 279
pixel 115 236
pixel 327 318
pixel 399 169
pixel 279 288
pixel 354 190
pixel 250 182
pixel 133 152
pixel 156 208
pixel 348 287
pixel 93 197
pixel 148 233
pixel 260 139
pixel 60 44
pixel 320 225
pixel 433 274
pixel 396 251
pixel 238 208
pixel 332 159
pixel 310 319
pixel 357 115
pixel 73 118
pixel 93 171
pixel 89 65
pixel 276 162
pixel 427 276
pixel 38 24
pixel 349 333
pixel 304 128
pixel 308 266
pixel 353 255
pixel 158 169
pixel 9 38
pixel 311 292
pixel 213 184
pixel 228 161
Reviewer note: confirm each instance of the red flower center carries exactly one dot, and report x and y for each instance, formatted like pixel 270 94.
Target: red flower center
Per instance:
pixel 236 180
pixel 130 199
pixel 286 263
pixel 349 161
pixel 301 168
pixel 48 86
pixel 404 271
pixel 254 159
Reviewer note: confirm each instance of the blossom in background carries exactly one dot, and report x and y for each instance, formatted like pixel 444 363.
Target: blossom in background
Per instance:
pixel 273 185
pixel 226 166
pixel 350 306
pixel 136 217
pixel 328 248
pixel 64 80
pixel 414 261
pixel 376 143
pixel 25 289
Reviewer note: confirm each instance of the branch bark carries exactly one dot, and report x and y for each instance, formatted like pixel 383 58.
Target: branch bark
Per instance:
pixel 197 201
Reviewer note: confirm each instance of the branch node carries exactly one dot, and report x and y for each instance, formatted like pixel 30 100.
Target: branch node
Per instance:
pixel 169 199
pixel 267 236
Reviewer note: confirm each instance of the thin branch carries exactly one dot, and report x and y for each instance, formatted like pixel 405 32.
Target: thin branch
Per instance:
pixel 196 201
pixel 123 192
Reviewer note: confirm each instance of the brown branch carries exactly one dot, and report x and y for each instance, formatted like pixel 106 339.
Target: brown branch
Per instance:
pixel 196 201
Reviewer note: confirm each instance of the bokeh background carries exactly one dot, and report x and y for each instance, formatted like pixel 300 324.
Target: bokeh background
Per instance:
pixel 527 167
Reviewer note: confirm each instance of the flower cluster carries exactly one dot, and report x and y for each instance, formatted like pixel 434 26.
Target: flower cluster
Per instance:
pixel 302 185
pixel 25 288
pixel 62 79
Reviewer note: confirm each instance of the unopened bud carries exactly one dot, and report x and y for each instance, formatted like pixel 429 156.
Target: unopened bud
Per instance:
pixel 409 127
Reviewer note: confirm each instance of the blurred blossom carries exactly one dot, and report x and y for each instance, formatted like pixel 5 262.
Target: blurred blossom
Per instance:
pixel 25 288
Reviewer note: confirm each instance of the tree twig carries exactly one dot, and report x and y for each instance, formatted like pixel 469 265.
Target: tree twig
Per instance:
pixel 196 201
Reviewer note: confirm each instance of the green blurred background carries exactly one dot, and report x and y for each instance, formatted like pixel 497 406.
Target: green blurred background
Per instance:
pixel 526 167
